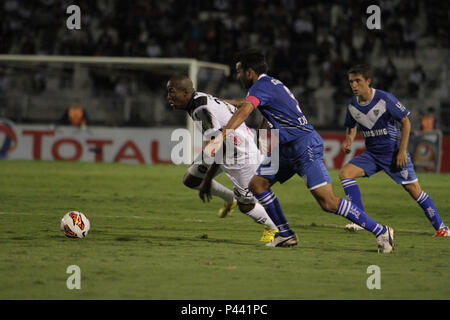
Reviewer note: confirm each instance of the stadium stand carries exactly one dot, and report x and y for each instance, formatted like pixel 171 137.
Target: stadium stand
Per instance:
pixel 310 45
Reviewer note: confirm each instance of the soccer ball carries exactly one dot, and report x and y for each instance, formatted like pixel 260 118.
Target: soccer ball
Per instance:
pixel 75 224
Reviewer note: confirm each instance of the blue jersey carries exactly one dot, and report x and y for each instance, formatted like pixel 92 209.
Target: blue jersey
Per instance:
pixel 280 108
pixel 378 121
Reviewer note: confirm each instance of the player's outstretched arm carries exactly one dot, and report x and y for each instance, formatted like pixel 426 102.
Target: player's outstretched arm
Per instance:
pixel 350 134
pixel 235 121
pixel 406 130
pixel 239 116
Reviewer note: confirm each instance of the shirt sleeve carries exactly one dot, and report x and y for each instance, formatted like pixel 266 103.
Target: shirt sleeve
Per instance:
pixel 253 100
pixel 349 121
pixel 395 108
pixel 259 95
pixel 206 121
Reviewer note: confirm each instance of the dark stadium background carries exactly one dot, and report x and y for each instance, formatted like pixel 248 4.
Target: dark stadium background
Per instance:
pixel 309 44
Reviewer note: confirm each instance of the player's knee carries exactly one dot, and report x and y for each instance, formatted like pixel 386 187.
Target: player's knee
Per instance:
pixel 258 185
pixel 191 181
pixel 413 189
pixel 246 207
pixel 344 173
pixel 326 206
pixel 350 171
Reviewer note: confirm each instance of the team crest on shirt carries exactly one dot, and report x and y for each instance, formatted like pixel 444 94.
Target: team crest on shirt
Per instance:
pixel 404 174
pixel 368 120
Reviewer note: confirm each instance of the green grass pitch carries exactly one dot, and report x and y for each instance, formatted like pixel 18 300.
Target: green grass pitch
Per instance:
pixel 153 238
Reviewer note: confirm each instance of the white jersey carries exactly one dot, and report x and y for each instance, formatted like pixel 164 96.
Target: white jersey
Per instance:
pixel 214 114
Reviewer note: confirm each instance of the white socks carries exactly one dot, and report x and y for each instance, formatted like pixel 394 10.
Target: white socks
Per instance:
pixel 259 214
pixel 219 190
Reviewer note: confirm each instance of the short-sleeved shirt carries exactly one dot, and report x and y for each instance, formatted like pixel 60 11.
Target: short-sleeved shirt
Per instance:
pixel 214 114
pixel 378 120
pixel 280 108
pixel 301 147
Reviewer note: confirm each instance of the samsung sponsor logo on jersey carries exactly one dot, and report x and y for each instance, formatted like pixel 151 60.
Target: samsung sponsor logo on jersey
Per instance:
pixel 375 133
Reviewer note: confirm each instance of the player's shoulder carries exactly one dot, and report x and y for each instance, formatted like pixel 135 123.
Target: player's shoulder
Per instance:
pixel 351 101
pixel 264 82
pixel 200 99
pixel 387 96
pixel 198 102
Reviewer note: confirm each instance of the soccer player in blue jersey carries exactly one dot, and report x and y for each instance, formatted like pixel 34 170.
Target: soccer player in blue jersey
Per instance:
pixel 379 114
pixel 300 152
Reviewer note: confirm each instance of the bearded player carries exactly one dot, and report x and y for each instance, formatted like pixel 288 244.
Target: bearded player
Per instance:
pixel 300 152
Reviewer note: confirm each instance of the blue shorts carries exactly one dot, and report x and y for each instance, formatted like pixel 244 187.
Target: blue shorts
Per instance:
pixel 371 163
pixel 303 156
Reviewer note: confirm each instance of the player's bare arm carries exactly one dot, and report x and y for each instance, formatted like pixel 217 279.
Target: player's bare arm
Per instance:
pixel 406 129
pixel 239 116
pixel 350 134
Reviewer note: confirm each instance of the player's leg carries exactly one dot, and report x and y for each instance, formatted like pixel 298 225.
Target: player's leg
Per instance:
pixel 312 169
pixel 428 207
pixel 260 187
pixel 345 208
pixel 194 177
pixel 330 203
pixel 362 165
pixel 347 175
pixel 257 212
pixel 240 177
pixel 407 178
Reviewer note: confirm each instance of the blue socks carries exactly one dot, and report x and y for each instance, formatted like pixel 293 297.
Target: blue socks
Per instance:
pixel 352 192
pixel 346 209
pixel 354 195
pixel 270 202
pixel 355 214
pixel 430 210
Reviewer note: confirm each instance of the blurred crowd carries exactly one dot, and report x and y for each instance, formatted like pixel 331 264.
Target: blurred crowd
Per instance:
pixel 309 43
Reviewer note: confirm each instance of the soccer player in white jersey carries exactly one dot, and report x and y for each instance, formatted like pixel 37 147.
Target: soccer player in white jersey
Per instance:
pixel 213 114
pixel 379 114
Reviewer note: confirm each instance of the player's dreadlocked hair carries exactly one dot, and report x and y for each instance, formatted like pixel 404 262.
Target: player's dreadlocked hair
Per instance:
pixel 362 69
pixel 252 58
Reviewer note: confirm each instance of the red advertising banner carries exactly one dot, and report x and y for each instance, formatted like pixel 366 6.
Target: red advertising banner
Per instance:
pixel 138 145
pixel 334 157
pixel 445 160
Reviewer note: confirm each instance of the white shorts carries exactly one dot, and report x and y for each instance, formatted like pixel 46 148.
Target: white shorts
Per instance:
pixel 239 176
